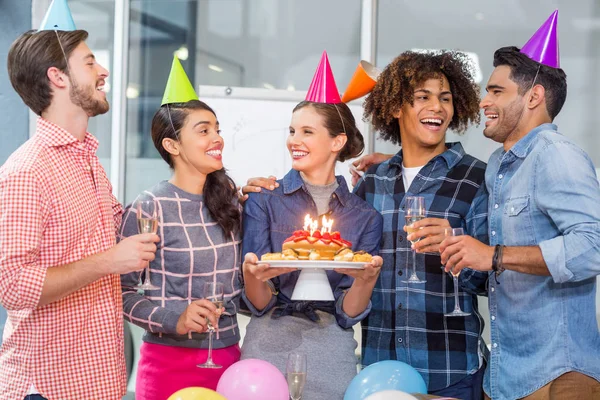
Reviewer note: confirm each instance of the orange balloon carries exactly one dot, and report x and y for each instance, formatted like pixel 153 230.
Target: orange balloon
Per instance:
pixel 196 393
pixel 362 81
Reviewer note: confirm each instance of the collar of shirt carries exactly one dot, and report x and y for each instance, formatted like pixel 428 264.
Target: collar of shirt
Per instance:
pixel 453 154
pixel 292 182
pixel 522 148
pixel 55 136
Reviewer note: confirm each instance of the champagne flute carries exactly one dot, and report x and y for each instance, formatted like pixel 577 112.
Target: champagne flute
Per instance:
pixel 213 291
pixel 296 374
pixel 457 312
pixel 414 211
pixel 147 220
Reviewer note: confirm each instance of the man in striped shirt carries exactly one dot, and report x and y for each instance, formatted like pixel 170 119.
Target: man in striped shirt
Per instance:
pixel 59 266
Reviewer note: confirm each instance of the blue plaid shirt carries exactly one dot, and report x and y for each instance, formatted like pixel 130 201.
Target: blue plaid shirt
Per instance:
pixel 407 321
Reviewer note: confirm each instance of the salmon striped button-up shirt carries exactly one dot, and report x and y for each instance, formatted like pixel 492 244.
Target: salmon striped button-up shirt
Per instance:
pixel 56 208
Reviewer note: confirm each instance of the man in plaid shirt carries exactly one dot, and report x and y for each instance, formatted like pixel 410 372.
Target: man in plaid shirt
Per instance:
pixel 59 266
pixel 416 98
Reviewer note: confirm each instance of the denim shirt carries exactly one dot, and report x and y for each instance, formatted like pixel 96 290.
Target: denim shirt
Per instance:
pixel 543 192
pixel 270 217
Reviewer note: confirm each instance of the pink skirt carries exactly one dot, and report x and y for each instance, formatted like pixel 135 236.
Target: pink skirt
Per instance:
pixel 163 370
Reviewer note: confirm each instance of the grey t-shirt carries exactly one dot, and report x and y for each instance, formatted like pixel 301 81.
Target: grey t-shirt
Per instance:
pixel 321 194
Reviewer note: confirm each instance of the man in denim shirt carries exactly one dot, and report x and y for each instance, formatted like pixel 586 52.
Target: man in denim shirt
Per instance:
pixel 544 224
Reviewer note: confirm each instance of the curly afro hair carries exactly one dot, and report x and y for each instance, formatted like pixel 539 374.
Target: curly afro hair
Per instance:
pixel 396 84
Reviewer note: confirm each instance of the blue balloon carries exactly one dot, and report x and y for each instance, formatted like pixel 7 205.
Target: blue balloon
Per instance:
pixel 385 375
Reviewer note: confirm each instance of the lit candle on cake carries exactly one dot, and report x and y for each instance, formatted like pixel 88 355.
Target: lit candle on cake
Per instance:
pixel 326 225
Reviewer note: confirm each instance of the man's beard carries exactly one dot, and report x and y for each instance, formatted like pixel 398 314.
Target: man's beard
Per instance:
pixel 85 99
pixel 511 116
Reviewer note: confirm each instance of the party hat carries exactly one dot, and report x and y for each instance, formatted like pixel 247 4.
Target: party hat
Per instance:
pixel 362 81
pixel 179 88
pixel 543 45
pixel 322 88
pixel 58 17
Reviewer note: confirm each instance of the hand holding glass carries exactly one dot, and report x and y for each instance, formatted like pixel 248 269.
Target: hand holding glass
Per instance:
pixel 457 310
pixel 147 220
pixel 213 291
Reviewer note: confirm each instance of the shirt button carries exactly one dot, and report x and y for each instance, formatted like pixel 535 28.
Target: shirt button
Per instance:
pixel 495 345
pixel 400 306
pixel 500 176
pixel 400 273
pixel 496 206
pixel 88 168
pixel 512 209
pixel 400 238
pixel 493 317
pixel 493 289
pixel 493 233
pixel 399 340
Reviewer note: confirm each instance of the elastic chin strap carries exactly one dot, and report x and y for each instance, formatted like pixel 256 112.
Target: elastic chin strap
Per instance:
pixel 529 97
pixel 171 120
pixel 342 119
pixel 63 52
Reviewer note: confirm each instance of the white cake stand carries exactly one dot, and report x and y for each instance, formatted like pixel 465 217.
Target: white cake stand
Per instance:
pixel 313 283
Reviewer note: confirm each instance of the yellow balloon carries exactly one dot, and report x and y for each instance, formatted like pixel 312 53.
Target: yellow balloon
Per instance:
pixel 196 393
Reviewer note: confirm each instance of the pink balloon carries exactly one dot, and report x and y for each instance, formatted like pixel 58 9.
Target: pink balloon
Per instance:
pixel 253 379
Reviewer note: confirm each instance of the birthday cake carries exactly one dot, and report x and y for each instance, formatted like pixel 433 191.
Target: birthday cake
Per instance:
pixel 311 243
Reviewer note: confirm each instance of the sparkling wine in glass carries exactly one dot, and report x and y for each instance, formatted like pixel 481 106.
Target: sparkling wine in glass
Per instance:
pixel 147 221
pixel 457 312
pixel 296 374
pixel 213 291
pixel 414 211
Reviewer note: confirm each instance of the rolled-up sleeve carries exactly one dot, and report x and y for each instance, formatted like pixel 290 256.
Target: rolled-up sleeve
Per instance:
pixel 566 189
pixel 24 212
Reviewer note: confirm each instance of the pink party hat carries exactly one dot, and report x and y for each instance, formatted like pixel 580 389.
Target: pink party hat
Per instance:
pixel 543 45
pixel 322 88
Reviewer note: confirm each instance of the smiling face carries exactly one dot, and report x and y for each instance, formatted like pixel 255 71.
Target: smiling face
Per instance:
pixel 503 106
pixel 311 146
pixel 87 79
pixel 200 144
pixel 426 121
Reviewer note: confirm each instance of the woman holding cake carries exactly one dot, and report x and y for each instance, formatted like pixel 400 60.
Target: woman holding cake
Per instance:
pixel 199 227
pixel 322 132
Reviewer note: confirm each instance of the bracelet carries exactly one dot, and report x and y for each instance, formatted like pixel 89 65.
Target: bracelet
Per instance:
pixel 271 286
pixel 497 261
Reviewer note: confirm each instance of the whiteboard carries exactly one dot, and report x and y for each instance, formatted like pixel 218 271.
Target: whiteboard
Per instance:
pixel 255 125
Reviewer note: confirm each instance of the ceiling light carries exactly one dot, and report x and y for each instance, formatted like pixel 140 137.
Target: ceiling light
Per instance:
pixel 132 92
pixel 215 68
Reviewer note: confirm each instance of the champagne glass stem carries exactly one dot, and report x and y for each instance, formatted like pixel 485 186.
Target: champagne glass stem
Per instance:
pixel 147 279
pixel 210 335
pixel 456 305
pixel 414 257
